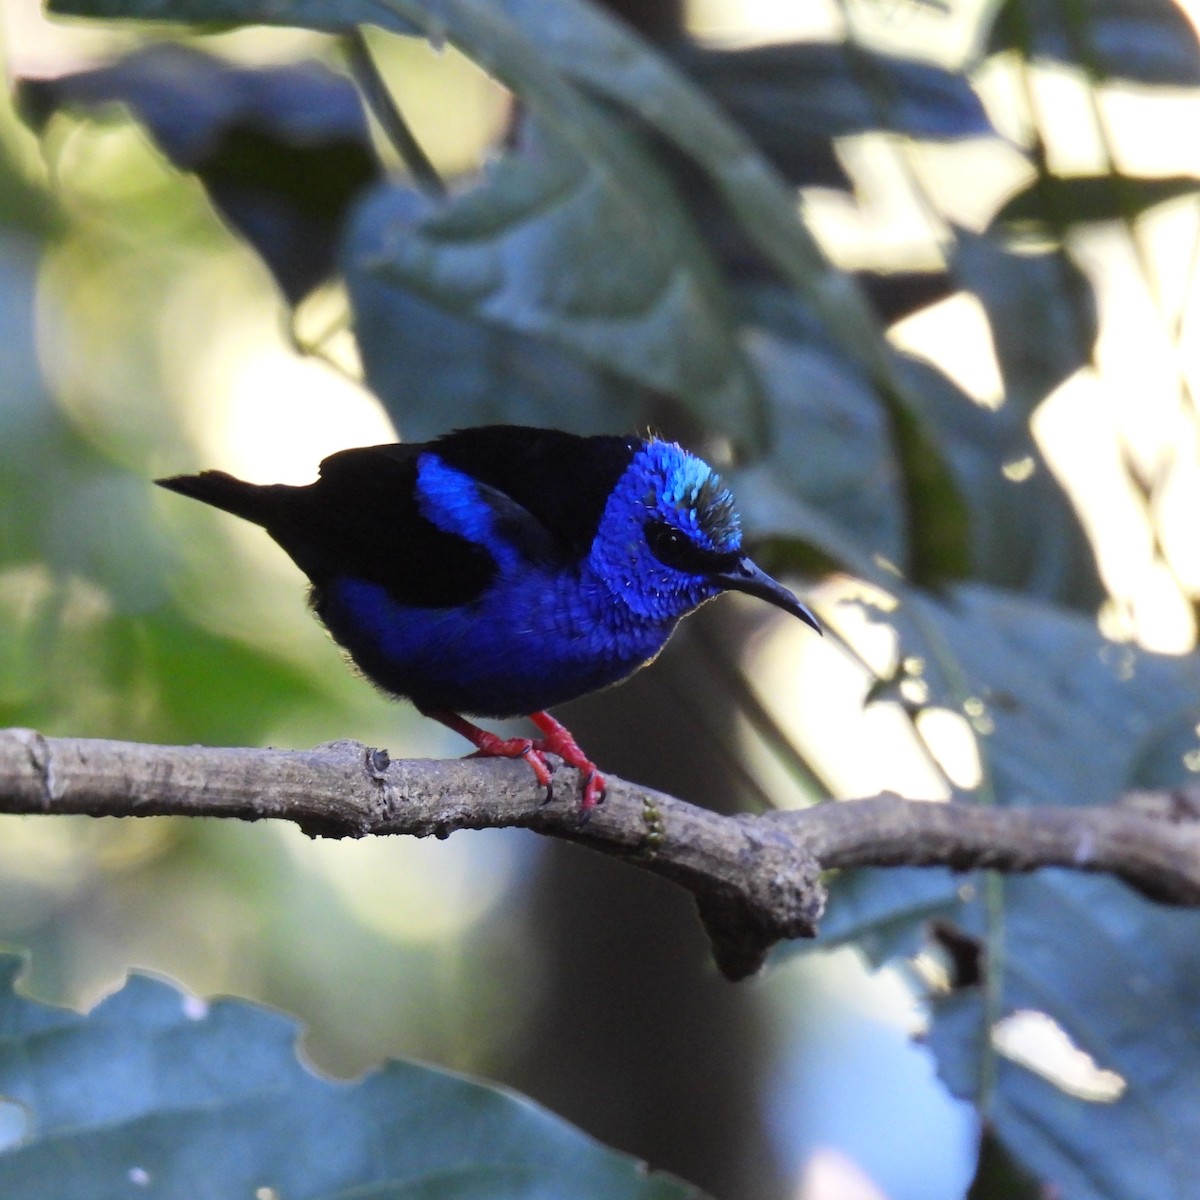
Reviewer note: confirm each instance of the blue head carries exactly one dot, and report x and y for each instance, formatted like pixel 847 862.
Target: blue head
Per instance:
pixel 670 539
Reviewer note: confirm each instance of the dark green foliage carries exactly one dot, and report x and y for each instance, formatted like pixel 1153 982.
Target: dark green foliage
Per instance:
pixel 155 1094
pixel 1115 971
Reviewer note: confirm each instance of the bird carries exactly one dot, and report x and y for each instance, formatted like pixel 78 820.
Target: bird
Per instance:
pixel 501 570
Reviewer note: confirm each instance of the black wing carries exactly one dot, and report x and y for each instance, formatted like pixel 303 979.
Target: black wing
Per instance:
pixel 361 517
pixel 561 479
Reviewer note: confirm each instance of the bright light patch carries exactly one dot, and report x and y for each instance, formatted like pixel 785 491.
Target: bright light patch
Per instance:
pixel 954 334
pixel 275 415
pixel 1038 1043
pixel 751 21
pixel 952 742
pixel 816 692
pixel 831 1174
pixel 1019 469
pixel 195 1008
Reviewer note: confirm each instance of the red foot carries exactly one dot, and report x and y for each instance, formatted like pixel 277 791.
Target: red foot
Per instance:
pixel 490 745
pixel 558 740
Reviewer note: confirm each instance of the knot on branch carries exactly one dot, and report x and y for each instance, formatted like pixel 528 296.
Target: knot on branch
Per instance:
pixel 779 897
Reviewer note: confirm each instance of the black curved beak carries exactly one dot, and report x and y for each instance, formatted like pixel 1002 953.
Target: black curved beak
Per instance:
pixel 748 578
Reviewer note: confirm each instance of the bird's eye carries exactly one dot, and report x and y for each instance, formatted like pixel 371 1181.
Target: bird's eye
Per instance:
pixel 673 548
pixel 666 543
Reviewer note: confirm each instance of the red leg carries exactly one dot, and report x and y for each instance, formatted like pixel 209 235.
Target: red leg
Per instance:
pixel 491 745
pixel 558 740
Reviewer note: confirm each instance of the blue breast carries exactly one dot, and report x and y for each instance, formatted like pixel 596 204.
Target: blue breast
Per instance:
pixel 526 644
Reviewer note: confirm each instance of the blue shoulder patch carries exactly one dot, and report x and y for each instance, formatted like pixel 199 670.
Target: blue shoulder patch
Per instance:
pixel 457 503
pixel 451 500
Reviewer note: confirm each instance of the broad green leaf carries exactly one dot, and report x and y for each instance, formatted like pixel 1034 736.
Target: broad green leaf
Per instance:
pixel 1038 680
pixel 795 98
pixel 602 264
pixel 882 911
pixel 1119 976
pixel 1172 744
pixel 434 370
pixel 830 448
pixel 531 249
pixel 155 1094
pixel 834 450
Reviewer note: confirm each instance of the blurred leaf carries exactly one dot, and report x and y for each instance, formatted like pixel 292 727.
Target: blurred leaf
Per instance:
pixel 25 208
pixel 1120 975
pixel 599 52
pixel 1042 313
pixel 90 643
pixel 207 688
pixel 70 664
pixel 956 1040
pixel 794 98
pixel 1146 41
pixel 1057 202
pixel 1172 744
pixel 1043 679
pixel 883 910
pixel 1024 531
pixel 435 371
pixel 603 264
pixel 830 447
pixel 833 450
pixel 938 512
pixel 898 294
pixel 283 151
pixel 865 466
pixel 156 1094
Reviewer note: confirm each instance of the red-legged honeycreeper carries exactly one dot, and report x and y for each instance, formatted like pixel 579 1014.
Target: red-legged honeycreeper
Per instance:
pixel 502 570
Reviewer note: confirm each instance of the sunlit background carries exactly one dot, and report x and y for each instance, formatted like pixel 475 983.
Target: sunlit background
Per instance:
pixel 140 338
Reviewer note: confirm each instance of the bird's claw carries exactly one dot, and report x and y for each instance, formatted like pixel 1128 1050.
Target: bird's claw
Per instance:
pixel 595 789
pixel 534 757
pixel 558 740
pixel 526 748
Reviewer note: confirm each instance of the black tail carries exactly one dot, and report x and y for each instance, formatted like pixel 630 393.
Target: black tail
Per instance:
pixel 255 502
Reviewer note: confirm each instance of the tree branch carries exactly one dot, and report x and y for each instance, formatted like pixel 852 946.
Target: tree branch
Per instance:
pixel 756 879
